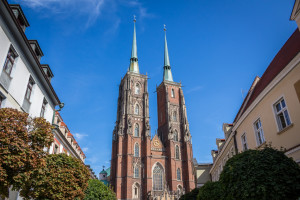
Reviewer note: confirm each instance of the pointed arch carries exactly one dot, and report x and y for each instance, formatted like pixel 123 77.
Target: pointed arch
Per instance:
pixel 136 130
pixel 157 177
pixel 137 109
pixel 176 138
pixel 136 188
pixel 177 151
pixel 136 150
pixel 179 189
pixel 172 93
pixel 174 116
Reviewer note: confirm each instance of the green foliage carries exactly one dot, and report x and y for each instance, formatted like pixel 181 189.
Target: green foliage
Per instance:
pixel 211 191
pixel 97 190
pixel 22 143
pixel 192 195
pixel 261 174
pixel 64 177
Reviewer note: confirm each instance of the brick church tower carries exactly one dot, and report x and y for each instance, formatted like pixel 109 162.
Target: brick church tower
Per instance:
pixel 145 168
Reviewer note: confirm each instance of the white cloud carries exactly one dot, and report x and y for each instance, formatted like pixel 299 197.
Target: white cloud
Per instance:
pixel 79 136
pixel 194 89
pixel 85 149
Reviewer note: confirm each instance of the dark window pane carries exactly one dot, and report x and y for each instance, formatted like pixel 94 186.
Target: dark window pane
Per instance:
pixel 281 118
pixel 283 103
pixel 286 114
pixel 278 107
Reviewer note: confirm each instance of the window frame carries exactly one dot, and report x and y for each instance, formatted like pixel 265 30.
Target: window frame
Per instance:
pixel 259 130
pixel 136 150
pixel 29 88
pixel 178 174
pixel 282 110
pixel 136 172
pixel 137 88
pixel 172 93
pixel 136 130
pixel 177 154
pixel 137 109
pixel 176 136
pixel 43 109
pixel 174 116
pixel 10 58
pixel 2 98
pixel 244 142
pixel 156 176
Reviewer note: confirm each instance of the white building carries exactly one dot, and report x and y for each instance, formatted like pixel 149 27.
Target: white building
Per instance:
pixel 25 83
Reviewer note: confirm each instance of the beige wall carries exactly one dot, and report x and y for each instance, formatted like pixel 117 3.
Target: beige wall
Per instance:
pixel 226 152
pixel 290 136
pixel 202 174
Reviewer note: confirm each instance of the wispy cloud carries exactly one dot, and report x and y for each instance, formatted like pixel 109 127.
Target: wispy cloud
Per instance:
pixel 85 149
pixel 80 136
pixel 142 10
pixel 194 89
pixel 91 8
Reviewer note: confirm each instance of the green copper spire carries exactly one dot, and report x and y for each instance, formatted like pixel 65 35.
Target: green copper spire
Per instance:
pixel 167 67
pixel 134 66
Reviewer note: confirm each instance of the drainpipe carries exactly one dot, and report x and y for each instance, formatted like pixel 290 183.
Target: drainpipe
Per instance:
pixel 235 143
pixel 60 107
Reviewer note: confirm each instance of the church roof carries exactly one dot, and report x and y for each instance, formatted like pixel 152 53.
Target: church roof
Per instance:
pixel 167 67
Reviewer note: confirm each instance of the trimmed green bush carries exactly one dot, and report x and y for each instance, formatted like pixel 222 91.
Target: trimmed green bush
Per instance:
pixel 261 174
pixel 97 190
pixel 211 191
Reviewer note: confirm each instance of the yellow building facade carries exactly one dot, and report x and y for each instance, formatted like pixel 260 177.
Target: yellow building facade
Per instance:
pixel 270 113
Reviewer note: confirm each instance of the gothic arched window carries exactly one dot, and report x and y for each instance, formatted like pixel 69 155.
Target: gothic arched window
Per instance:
pixel 136 130
pixel 137 89
pixel 172 93
pixel 136 172
pixel 158 177
pixel 175 136
pixel 174 116
pixel 136 150
pixel 136 191
pixel 177 152
pixel 136 109
pixel 178 174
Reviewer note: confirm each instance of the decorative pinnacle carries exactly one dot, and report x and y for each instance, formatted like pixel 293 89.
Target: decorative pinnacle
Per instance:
pixel 165 29
pixel 134 19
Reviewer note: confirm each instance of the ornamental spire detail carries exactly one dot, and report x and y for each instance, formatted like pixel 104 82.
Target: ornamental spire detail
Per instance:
pixel 167 67
pixel 134 66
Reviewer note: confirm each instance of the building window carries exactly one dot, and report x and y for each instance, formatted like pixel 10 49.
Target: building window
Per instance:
pixel 29 89
pixel 282 114
pixel 158 178
pixel 135 192
pixel 244 142
pixel 56 149
pixel 175 136
pixel 136 110
pixel 178 174
pixel 43 108
pixel 136 130
pixel 174 116
pixel 1 99
pixel 259 132
pixel 172 93
pixel 136 150
pixel 10 60
pixel 177 152
pixel 137 89
pixel 136 172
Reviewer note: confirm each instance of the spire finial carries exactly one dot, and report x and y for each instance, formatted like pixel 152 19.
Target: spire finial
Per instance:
pixel 134 66
pixel 167 67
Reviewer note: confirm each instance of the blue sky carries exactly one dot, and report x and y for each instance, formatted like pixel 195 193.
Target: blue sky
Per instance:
pixel 216 49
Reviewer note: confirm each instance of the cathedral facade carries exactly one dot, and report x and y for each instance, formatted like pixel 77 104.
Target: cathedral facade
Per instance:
pixel 143 167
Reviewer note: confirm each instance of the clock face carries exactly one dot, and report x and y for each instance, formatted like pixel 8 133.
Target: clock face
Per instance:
pixel 156 143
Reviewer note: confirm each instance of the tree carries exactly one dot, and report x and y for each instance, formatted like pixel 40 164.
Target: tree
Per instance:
pixel 211 191
pixel 64 177
pixel 97 190
pixel 22 143
pixel 261 174
pixel 192 195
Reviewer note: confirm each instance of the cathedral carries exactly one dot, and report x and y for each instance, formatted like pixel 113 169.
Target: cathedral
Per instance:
pixel 151 168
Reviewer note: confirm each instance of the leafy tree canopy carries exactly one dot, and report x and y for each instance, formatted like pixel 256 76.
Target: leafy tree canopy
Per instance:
pixel 22 143
pixel 192 195
pixel 261 174
pixel 97 190
pixel 64 177
pixel 211 191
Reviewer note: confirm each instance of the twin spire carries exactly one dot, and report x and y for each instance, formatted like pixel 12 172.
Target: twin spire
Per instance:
pixel 134 66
